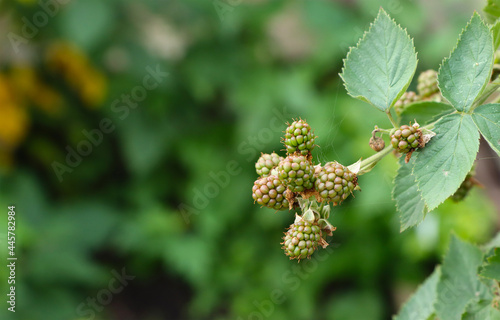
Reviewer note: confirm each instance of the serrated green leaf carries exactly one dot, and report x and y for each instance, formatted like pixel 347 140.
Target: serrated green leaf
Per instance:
pixel 463 76
pixel 458 283
pixel 409 203
pixel 495 32
pixel 421 304
pixel 487 119
pixel 424 112
pixel 482 310
pixel 380 68
pixel 492 269
pixel 441 166
pixel 492 10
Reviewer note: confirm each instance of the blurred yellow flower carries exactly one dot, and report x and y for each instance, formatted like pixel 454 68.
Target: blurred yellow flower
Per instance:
pixel 14 121
pixel 7 93
pixel 93 88
pixel 75 68
pixel 13 125
pixel 30 86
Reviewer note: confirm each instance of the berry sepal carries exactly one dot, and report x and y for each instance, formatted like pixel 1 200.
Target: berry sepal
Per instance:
pixel 327 227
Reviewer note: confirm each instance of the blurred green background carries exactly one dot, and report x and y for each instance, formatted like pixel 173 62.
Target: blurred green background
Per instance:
pixel 128 136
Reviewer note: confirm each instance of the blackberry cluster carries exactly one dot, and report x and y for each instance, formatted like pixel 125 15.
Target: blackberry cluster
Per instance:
pixel 301 239
pixel 466 186
pixel 406 138
pixel 335 182
pixel 427 90
pixel 266 163
pixel 496 66
pixel 297 173
pixel 299 138
pixel 293 181
pixel 407 98
pixel 286 176
pixel 463 190
pixel 428 83
pixel 270 192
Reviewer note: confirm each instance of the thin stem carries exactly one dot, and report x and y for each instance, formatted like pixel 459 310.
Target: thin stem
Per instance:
pixel 377 129
pixel 389 115
pixel 370 162
pixel 488 91
pixel 367 165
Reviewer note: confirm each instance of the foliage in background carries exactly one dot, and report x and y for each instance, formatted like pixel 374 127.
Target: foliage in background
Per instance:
pixel 231 86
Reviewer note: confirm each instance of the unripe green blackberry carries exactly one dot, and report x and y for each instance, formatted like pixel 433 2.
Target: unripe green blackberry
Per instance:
pixel 463 190
pixel 297 173
pixel 270 192
pixel 299 138
pixel 466 186
pixel 266 163
pixel 335 183
pixel 301 240
pixel 496 66
pixel 427 83
pixel 406 99
pixel 406 138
